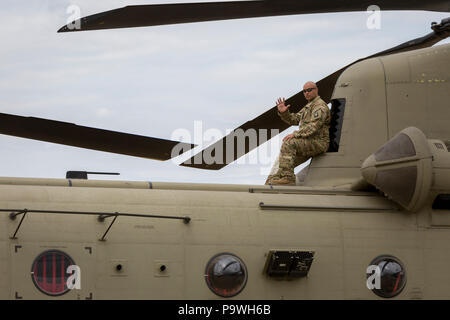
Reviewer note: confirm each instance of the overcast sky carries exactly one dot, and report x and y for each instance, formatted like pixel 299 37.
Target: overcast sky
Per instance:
pixel 154 81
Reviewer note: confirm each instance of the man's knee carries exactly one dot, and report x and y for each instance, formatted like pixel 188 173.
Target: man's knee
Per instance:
pixel 288 144
pixel 296 146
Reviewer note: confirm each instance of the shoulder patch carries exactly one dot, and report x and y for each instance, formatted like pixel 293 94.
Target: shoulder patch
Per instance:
pixel 316 114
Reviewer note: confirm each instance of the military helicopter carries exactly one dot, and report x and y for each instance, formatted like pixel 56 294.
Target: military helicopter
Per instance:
pixel 368 219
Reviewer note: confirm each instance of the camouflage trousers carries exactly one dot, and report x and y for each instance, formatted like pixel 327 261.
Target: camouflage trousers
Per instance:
pixel 296 151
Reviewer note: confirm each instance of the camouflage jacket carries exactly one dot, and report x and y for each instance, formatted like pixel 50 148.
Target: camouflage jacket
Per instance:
pixel 313 120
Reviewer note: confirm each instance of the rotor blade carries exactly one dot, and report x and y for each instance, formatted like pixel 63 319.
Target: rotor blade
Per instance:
pixel 162 14
pixel 235 144
pixel 91 138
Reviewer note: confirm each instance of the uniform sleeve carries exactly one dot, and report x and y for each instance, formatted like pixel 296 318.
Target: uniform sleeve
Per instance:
pixel 290 118
pixel 319 117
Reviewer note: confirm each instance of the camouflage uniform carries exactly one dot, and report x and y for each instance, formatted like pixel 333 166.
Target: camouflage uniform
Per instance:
pixel 311 139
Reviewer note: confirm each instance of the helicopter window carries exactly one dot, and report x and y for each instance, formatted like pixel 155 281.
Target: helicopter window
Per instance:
pixel 398 147
pixel 337 115
pixel 386 276
pixel 442 202
pixel 226 275
pixel 49 272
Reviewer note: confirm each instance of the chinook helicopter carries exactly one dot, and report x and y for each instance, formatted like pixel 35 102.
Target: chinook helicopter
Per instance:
pixel 368 219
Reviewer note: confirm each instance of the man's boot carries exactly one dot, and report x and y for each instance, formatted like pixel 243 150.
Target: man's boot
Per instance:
pixel 285 180
pixel 270 178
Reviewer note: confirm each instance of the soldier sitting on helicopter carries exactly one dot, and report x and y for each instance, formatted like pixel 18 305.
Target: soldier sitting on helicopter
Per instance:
pixel 310 140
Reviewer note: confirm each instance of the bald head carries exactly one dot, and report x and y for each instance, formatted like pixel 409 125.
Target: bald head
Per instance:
pixel 310 90
pixel 310 84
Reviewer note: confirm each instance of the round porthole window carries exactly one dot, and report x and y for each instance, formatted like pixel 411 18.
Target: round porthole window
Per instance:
pixel 386 276
pixel 49 272
pixel 226 275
